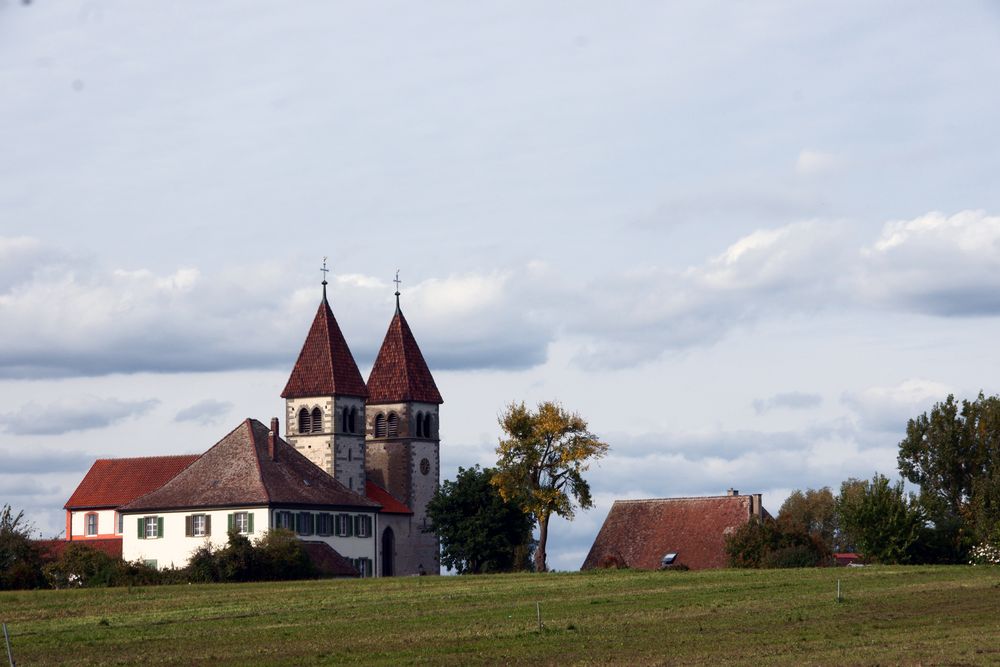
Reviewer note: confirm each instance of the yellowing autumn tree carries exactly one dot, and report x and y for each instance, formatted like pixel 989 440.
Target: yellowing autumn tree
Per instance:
pixel 541 461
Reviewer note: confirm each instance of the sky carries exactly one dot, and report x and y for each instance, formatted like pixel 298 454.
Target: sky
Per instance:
pixel 746 241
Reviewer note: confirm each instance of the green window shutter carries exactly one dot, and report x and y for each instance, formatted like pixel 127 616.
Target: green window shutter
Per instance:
pixel 249 522
pixel 232 520
pixel 350 526
pixel 159 526
pixel 368 524
pixel 208 524
pixel 312 524
pixel 142 528
pixel 357 524
pixel 189 526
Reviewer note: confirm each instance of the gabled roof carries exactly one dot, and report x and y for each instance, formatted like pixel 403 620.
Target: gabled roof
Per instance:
pixel 114 482
pixel 53 549
pixel 325 365
pixel 238 471
pixel 389 503
pixel 400 372
pixel 328 560
pixel 638 533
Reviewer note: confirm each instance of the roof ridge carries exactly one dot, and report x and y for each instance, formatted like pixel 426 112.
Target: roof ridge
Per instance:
pixel 144 458
pixel 660 500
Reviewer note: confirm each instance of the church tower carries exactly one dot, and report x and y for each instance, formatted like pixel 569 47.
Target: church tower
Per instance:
pixel 403 442
pixel 325 402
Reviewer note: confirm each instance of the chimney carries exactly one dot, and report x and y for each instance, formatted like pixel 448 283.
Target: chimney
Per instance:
pixel 756 507
pixel 271 438
pixel 732 492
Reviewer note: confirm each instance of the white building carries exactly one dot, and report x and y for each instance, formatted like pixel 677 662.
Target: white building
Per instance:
pixel 250 481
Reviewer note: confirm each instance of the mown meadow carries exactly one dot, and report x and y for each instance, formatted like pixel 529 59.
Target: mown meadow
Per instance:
pixel 888 615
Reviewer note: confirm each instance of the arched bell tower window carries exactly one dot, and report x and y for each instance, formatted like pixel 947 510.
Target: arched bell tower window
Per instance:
pixel 304 421
pixel 427 426
pixel 317 420
pixel 352 422
pixel 380 429
pixel 344 419
pixel 393 425
pixel 420 425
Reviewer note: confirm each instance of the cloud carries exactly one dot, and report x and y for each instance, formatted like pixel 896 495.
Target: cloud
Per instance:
pixel 208 411
pixel 17 461
pixel 792 400
pixel 811 162
pixel 76 414
pixel 887 409
pixel 935 264
pixel 132 320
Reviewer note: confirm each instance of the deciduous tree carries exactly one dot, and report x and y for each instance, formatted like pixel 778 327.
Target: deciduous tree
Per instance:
pixel 541 461
pixel 884 523
pixel 479 530
pixel 953 454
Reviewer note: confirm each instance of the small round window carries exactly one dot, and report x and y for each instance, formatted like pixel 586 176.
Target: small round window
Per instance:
pixel 425 466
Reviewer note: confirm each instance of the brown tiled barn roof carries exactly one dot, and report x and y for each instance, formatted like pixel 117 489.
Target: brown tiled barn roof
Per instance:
pixel 400 372
pixel 114 482
pixel 238 471
pixel 325 365
pixel 390 504
pixel 638 533
pixel 328 560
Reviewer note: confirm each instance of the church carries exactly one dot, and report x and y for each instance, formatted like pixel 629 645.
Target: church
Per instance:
pixel 352 475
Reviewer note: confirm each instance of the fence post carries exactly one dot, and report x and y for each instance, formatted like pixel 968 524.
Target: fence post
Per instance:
pixel 6 639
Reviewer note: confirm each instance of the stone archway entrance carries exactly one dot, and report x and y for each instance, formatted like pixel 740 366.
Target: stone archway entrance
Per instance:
pixel 388 549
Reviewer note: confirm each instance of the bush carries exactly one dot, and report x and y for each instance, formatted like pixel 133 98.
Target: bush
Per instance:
pixel 769 544
pixel 20 560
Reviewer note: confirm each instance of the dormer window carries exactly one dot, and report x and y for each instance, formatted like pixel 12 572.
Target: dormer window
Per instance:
pixel 317 420
pixel 304 421
pixel 393 425
pixel 380 425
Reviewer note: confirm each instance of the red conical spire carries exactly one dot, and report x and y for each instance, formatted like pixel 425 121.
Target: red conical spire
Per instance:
pixel 325 365
pixel 400 373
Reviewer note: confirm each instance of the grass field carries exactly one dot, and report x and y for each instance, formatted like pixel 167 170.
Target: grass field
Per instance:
pixel 898 615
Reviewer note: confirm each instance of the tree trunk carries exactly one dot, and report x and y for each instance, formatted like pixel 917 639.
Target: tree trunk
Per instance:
pixel 543 534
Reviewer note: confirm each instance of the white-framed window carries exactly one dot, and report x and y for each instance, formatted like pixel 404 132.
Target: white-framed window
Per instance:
pixel 284 520
pixel 241 522
pixel 153 527
pixel 344 525
pixel 324 524
pixel 363 566
pixel 362 525
pixel 91 523
pixel 199 525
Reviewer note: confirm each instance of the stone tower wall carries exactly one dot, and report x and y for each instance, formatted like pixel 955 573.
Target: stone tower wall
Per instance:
pixel 339 453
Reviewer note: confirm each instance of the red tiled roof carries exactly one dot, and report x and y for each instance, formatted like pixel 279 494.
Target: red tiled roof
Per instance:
pixel 328 561
pixel 238 471
pixel 53 549
pixel 325 365
pixel 114 482
pixel 638 533
pixel 400 372
pixel 388 501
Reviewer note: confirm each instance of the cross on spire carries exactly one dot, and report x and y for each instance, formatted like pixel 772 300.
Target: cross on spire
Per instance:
pixel 397 281
pixel 325 271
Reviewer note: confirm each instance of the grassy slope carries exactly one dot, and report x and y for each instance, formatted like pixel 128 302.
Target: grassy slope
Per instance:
pixel 928 615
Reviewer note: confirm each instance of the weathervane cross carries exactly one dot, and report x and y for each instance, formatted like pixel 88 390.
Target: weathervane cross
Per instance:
pixel 397 281
pixel 324 270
